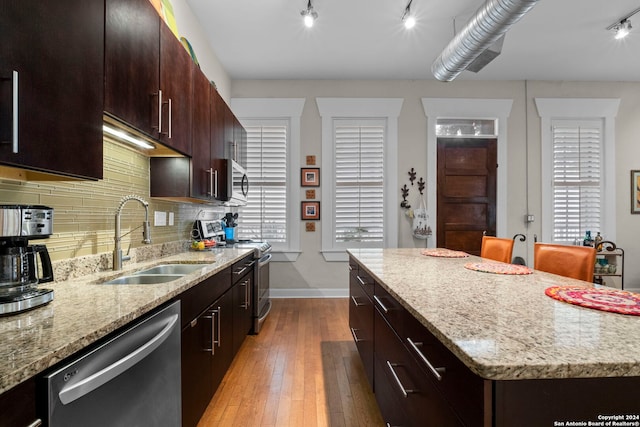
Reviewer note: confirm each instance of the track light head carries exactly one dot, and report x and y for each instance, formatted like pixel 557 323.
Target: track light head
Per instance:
pixel 622 29
pixel 407 17
pixel 309 15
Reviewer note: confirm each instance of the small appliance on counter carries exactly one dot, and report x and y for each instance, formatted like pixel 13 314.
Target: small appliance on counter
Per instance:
pixel 24 266
pixel 205 229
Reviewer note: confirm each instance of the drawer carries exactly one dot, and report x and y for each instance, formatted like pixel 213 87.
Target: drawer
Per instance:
pixel 393 312
pixel 463 389
pixel 361 326
pixel 199 297
pixel 242 267
pixel 399 377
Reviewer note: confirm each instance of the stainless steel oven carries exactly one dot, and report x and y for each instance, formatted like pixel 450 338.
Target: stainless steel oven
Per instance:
pixel 262 300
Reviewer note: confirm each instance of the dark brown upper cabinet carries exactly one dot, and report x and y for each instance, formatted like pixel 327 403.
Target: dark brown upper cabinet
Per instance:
pixel 147 74
pixel 51 91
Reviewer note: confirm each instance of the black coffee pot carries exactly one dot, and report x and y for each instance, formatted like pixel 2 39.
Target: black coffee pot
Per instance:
pixel 19 269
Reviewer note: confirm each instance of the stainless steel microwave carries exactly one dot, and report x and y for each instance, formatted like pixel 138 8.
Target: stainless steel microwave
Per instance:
pixel 234 187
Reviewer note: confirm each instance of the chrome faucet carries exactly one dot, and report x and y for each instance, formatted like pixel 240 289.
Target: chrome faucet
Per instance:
pixel 146 232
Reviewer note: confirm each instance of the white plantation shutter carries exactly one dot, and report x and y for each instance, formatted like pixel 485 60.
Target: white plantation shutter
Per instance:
pixel 577 178
pixel 265 215
pixel 359 183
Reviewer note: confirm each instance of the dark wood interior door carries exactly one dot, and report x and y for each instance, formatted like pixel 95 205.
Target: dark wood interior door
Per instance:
pixel 466 191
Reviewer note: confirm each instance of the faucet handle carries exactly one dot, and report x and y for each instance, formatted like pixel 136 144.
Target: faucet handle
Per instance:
pixel 146 232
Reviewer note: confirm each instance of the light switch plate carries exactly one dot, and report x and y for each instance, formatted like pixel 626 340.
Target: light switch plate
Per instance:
pixel 171 218
pixel 159 218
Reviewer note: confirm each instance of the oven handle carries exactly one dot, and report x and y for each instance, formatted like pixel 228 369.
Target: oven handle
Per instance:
pixel 264 260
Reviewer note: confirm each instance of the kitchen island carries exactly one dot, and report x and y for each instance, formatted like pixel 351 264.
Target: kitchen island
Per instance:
pixel 516 356
pixel 85 310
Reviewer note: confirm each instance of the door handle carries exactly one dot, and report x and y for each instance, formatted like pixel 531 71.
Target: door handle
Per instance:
pixel 103 376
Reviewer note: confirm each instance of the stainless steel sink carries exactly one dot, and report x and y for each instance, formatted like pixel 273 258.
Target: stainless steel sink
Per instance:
pixel 181 269
pixel 143 279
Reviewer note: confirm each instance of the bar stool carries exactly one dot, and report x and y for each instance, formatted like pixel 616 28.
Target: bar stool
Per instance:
pixel 496 248
pixel 576 262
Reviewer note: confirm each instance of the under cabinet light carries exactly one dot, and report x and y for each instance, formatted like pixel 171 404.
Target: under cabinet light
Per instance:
pixel 126 137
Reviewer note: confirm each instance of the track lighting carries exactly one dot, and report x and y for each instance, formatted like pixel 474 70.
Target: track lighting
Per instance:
pixel 407 17
pixel 309 15
pixel 622 27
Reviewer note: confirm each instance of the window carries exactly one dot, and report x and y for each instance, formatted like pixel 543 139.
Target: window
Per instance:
pixel 359 183
pixel 577 178
pixel 359 174
pixel 265 215
pixel 578 167
pixel 273 162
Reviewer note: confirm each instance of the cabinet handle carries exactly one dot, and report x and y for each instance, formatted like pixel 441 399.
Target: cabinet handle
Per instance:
pixel 355 337
pixel 350 267
pixel 36 423
pixel 246 294
pixel 242 270
pixel 159 95
pixel 14 103
pixel 215 190
pixel 219 342
pixel 382 306
pixel 362 282
pixel 437 372
pixel 212 317
pixel 170 119
pixel 355 302
pixel 405 392
pixel 210 172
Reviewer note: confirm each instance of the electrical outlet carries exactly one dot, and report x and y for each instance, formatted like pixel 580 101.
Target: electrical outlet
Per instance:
pixel 171 218
pixel 529 218
pixel 159 218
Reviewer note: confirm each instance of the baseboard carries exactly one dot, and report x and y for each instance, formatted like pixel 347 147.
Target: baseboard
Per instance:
pixel 309 293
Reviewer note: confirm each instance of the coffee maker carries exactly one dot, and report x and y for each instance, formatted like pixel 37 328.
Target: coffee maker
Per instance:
pixel 24 266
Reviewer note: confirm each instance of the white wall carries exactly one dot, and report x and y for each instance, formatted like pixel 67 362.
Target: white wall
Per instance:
pixel 189 27
pixel 313 275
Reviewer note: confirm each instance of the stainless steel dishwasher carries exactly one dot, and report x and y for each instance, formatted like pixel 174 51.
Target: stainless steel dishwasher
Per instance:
pixel 131 380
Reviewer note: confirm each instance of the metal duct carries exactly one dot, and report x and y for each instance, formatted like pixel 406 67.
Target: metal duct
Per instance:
pixel 488 24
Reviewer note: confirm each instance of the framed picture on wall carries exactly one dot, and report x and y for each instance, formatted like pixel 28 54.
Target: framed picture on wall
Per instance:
pixel 635 191
pixel 310 211
pixel 310 177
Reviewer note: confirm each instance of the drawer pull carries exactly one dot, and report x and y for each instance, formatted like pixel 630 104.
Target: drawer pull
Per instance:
pixel 350 267
pixel 355 337
pixel 382 306
pixel 437 372
pixel 405 392
pixel 355 302
pixel 362 282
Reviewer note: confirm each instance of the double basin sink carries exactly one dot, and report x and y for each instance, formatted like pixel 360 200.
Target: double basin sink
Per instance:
pixel 159 274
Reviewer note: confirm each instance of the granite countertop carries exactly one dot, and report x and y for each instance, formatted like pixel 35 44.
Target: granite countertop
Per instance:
pixel 83 311
pixel 504 327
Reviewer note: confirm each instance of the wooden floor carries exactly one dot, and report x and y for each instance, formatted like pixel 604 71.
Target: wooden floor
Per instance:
pixel 303 369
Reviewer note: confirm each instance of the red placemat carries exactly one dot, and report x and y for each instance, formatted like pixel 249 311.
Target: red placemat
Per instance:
pixel 444 253
pixel 498 268
pixel 605 299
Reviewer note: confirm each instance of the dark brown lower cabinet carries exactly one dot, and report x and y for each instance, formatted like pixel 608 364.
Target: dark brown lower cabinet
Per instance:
pixel 420 382
pixel 242 315
pixel 18 405
pixel 361 324
pixel 405 394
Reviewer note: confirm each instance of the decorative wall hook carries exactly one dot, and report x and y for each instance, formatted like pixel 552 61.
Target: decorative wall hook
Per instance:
pixel 405 193
pixel 412 176
pixel 421 184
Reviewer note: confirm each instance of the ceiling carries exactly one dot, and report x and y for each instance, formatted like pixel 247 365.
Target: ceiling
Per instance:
pixel 365 39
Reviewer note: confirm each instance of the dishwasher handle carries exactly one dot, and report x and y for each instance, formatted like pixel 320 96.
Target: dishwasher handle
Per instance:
pixel 93 381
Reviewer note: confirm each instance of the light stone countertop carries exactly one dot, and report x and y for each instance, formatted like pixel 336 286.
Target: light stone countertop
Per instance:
pixel 504 327
pixel 83 311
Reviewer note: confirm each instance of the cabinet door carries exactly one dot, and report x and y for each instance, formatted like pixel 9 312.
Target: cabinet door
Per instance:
pixel 176 68
pixel 202 185
pixel 240 138
pixel 197 387
pixel 218 130
pixel 51 71
pixel 132 64
pixel 223 334
pixel 361 325
pixel 242 314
